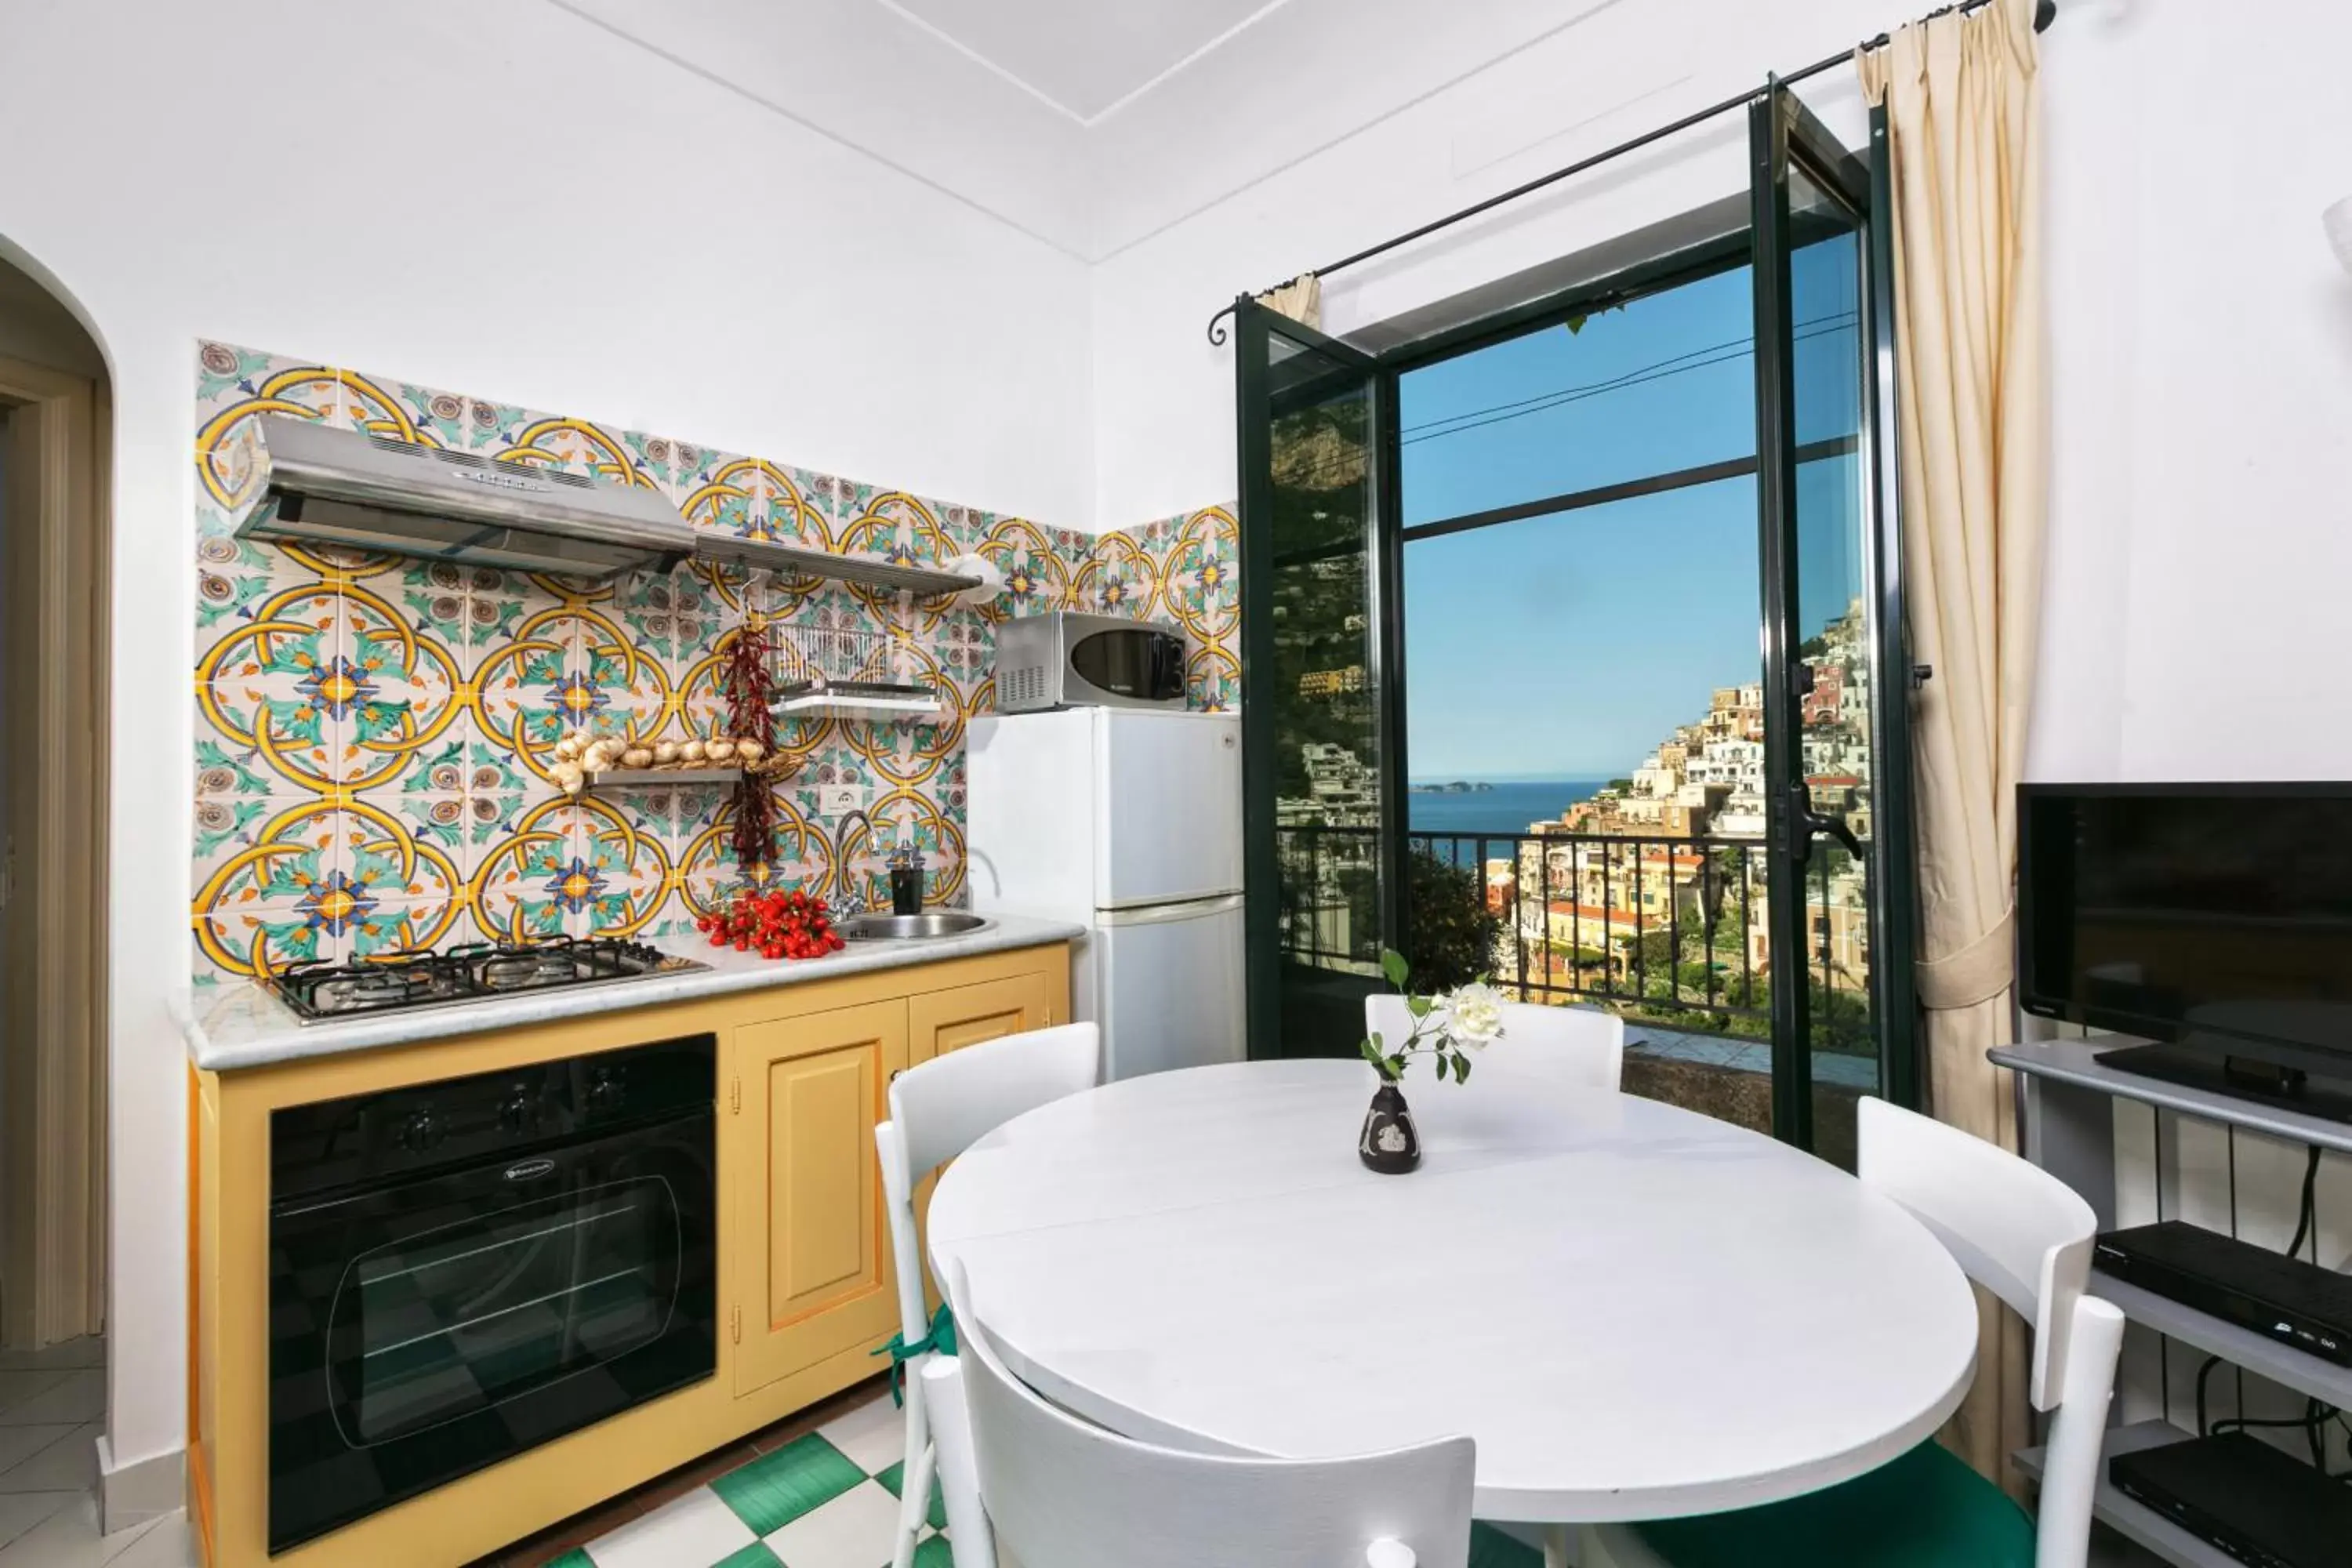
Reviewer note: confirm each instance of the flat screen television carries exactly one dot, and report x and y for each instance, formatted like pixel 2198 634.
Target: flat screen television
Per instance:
pixel 2213 921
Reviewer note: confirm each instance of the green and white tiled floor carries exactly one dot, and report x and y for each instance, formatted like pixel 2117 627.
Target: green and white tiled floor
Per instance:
pixel 828 1500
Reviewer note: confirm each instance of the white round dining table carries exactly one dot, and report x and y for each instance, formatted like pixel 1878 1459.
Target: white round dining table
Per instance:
pixel 1636 1311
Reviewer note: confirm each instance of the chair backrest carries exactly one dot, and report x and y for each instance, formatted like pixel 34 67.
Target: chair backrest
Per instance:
pixel 1059 1492
pixel 2026 1236
pixel 942 1107
pixel 1579 1046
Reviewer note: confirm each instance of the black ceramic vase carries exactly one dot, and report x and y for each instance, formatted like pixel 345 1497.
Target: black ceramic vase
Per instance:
pixel 1388 1143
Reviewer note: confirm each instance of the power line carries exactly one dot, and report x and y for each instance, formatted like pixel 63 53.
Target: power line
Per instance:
pixel 1562 400
pixel 1631 377
pixel 1477 418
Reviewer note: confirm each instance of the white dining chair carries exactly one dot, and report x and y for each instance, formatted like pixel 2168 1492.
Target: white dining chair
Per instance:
pixel 1581 1047
pixel 937 1109
pixel 2022 1234
pixel 1028 1485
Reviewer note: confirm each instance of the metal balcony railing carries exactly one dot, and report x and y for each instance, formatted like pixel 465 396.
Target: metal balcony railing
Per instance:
pixel 1663 928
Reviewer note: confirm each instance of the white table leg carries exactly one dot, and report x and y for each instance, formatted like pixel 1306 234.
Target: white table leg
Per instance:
pixel 1557 1552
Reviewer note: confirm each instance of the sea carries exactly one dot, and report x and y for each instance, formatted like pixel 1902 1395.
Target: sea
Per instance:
pixel 1503 807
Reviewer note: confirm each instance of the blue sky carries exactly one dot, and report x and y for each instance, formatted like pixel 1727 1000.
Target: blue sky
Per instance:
pixel 1567 646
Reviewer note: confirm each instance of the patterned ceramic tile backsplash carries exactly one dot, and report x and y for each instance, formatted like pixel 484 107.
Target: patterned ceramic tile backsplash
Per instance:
pixel 372 731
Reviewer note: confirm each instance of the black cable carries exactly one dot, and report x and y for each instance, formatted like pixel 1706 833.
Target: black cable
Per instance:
pixel 2316 1414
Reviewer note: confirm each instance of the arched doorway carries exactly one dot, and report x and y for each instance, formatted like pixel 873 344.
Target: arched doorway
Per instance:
pixel 54 433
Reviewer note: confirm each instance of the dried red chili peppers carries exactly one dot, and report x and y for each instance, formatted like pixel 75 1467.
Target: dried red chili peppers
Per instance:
pixel 749 683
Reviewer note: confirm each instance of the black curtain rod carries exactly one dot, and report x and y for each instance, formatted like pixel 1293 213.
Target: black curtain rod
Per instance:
pixel 2045 13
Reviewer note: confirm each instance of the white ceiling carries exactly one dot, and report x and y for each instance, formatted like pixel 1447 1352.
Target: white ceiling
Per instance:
pixel 1091 125
pixel 1085 60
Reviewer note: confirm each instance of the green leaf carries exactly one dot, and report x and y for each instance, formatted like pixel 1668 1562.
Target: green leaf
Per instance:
pixel 1371 1050
pixel 1397 1064
pixel 1419 1007
pixel 1461 1069
pixel 1393 965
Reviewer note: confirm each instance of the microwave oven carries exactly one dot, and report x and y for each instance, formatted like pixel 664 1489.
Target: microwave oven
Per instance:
pixel 1064 659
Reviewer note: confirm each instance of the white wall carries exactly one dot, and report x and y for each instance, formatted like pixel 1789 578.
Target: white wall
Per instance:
pixel 2201 503
pixel 504 199
pixel 1603 75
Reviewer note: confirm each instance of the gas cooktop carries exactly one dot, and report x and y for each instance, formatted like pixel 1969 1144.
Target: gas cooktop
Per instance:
pixel 319 992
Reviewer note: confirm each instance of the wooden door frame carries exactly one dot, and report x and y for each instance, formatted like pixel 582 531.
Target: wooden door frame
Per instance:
pixel 53 1213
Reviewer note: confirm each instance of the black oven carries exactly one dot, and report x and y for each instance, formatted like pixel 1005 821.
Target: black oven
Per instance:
pixel 461 1270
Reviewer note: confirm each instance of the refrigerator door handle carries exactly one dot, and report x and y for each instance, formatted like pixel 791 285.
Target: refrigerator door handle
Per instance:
pixel 1162 914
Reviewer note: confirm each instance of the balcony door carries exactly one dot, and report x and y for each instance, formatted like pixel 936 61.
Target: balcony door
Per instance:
pixel 1317 727
pixel 1573 655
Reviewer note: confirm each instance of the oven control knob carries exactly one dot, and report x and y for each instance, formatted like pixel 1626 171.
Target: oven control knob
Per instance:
pixel 519 1113
pixel 422 1130
pixel 604 1091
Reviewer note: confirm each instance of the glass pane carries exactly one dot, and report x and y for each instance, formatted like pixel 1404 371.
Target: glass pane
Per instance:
pixel 469 1314
pixel 1325 722
pixel 1834 632
pixel 1663 384
pixel 1584 721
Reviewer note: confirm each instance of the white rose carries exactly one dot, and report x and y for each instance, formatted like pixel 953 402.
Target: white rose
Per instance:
pixel 1474 1015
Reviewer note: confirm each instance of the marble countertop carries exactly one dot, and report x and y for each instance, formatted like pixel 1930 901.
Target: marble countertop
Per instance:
pixel 240 1024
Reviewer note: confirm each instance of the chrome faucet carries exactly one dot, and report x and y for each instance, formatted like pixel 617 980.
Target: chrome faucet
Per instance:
pixel 848 901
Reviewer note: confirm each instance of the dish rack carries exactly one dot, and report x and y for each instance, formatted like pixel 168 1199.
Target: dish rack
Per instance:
pixel 848 672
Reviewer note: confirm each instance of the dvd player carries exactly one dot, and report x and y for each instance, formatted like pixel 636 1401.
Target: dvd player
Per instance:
pixel 2243 1497
pixel 2285 1299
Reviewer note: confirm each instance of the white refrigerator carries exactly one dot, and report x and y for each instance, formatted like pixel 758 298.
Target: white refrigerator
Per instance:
pixel 1127 822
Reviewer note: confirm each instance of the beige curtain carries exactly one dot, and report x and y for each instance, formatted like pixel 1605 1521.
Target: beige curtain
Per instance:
pixel 1301 300
pixel 1961 100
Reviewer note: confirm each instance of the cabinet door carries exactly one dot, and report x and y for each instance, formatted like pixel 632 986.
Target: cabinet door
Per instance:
pixel 942 1021
pixel 812 1267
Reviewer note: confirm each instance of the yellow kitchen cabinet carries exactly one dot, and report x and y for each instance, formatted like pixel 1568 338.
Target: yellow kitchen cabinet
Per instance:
pixel 811 1262
pixel 942 1021
pixel 805 1285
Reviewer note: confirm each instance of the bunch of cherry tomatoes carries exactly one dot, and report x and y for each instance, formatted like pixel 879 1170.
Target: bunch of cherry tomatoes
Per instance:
pixel 775 924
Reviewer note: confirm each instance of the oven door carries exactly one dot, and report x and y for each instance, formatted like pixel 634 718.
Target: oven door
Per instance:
pixel 1140 667
pixel 421 1331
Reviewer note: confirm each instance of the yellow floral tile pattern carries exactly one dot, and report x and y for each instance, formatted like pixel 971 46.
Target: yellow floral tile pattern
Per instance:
pixel 373 731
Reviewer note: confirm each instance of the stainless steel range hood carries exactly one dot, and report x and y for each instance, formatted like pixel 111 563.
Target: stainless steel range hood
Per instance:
pixel 369 492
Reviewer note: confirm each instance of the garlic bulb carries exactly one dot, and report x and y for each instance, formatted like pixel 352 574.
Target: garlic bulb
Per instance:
pixel 569 775
pixel 718 751
pixel 638 757
pixel 749 753
pixel 665 754
pixel 690 753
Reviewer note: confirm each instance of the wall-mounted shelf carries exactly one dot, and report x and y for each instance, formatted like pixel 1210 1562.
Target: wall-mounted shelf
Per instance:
pixel 624 776
pixel 854 704
pixel 2142 1525
pixel 793 560
pixel 725 773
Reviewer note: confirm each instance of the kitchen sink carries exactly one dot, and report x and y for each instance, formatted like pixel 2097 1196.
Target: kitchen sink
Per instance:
pixel 910 928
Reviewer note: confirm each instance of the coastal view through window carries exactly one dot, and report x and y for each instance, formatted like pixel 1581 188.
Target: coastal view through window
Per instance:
pixel 1585 707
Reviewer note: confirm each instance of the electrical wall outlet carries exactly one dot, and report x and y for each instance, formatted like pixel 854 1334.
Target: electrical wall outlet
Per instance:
pixel 834 799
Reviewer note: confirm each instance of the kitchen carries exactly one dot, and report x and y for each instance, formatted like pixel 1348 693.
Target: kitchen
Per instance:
pixel 460 951
pixel 657 808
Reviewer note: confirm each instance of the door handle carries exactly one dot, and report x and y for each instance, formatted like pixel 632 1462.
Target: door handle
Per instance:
pixel 1816 825
pixel 1807 825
